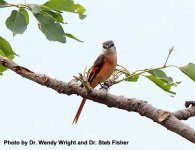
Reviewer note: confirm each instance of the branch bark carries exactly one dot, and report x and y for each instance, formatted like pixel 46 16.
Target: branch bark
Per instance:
pixel 170 120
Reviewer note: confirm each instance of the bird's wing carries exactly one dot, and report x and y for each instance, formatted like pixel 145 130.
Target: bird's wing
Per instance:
pixel 96 67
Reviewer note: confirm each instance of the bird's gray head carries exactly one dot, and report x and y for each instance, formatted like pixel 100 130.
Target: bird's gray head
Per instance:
pixel 108 44
pixel 109 47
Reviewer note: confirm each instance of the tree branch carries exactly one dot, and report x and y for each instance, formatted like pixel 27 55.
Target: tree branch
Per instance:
pixel 167 119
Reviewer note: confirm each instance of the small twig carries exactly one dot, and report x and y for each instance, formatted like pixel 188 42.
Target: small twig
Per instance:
pixel 18 5
pixel 170 51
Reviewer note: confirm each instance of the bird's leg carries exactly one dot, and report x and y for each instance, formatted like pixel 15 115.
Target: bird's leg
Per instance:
pixel 101 85
pixel 105 86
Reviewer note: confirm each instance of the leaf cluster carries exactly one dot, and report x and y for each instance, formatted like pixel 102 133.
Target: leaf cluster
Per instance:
pixel 49 17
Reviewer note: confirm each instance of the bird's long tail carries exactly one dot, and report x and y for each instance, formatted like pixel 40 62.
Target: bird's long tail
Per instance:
pixel 76 118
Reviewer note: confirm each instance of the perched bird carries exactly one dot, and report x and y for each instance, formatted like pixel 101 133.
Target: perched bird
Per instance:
pixel 102 69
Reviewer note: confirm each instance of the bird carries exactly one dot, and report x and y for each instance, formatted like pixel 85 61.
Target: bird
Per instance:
pixel 102 69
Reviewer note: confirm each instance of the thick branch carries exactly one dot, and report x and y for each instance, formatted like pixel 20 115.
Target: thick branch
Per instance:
pixel 169 120
pixel 184 114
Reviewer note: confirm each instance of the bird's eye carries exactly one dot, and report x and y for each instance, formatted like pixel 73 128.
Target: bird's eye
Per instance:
pixel 104 46
pixel 111 45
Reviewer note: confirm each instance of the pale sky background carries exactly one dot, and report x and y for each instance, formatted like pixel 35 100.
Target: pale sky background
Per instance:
pixel 143 31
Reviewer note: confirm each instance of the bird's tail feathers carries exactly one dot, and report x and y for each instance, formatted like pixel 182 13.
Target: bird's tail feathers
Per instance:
pixel 76 118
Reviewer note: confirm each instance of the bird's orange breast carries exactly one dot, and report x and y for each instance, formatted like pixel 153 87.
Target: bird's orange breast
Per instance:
pixel 106 70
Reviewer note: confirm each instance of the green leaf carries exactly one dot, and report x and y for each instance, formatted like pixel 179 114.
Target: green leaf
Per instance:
pixel 66 5
pixel 72 37
pixel 161 75
pixel 160 83
pixel 189 70
pixel 25 13
pixel 2 53
pixel 131 78
pixel 52 30
pixel 35 9
pixel 3 4
pixel 178 82
pixel 58 17
pixel 5 50
pixel 2 68
pixel 80 10
pixel 16 22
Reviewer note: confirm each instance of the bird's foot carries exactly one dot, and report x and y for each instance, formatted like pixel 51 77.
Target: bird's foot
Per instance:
pixel 104 86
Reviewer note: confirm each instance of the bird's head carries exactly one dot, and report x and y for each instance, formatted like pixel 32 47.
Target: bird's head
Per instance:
pixel 109 47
